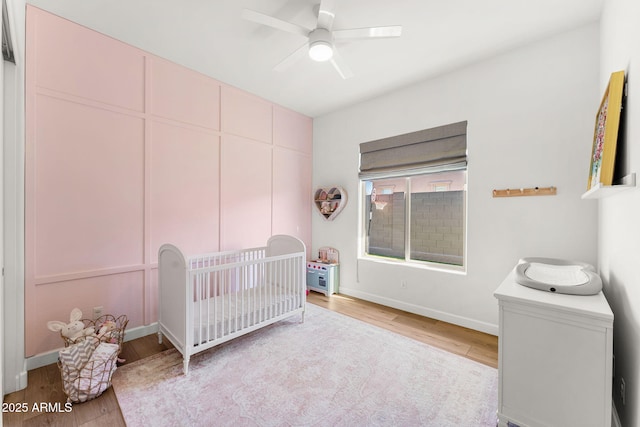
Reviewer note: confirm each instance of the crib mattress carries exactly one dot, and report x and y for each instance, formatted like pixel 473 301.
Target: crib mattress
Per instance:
pixel 219 316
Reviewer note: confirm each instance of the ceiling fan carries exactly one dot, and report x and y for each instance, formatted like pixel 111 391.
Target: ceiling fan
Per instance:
pixel 320 44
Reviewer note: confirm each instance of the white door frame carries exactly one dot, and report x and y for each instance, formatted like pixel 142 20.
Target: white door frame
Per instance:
pixel 14 375
pixel 2 228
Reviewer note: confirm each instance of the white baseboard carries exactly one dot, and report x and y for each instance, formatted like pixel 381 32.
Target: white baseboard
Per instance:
pixel 44 359
pixel 21 380
pixel 465 322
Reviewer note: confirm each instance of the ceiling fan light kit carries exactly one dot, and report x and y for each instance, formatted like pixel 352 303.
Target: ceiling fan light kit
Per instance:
pixel 320 41
pixel 320 45
pixel 320 51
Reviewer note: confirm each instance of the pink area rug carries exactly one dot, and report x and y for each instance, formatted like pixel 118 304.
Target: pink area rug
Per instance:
pixel 331 370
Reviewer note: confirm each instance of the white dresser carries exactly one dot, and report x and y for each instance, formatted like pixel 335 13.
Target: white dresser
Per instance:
pixel 555 358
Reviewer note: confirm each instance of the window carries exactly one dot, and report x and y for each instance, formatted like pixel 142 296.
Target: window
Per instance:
pixel 414 205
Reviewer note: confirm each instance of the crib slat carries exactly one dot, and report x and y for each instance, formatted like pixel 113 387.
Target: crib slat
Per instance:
pixel 263 283
pixel 290 291
pixel 215 305
pixel 208 299
pixel 235 298
pixel 243 290
pixel 198 295
pixel 271 280
pixel 281 273
pixel 227 291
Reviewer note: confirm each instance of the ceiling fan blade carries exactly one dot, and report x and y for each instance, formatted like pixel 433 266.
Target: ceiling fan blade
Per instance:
pixel 325 14
pixel 341 67
pixel 292 58
pixel 370 32
pixel 270 21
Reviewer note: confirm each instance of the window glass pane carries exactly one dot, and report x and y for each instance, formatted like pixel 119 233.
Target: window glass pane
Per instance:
pixel 385 217
pixel 437 217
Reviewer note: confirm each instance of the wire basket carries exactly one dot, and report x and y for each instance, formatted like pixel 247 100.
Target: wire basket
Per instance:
pixel 113 330
pixel 87 382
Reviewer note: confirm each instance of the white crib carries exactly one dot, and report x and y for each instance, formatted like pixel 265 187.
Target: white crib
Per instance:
pixel 208 299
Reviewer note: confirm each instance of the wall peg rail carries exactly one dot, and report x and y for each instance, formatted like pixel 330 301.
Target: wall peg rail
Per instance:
pixel 517 192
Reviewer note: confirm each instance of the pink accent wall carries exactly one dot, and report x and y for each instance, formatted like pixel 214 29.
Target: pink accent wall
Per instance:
pixel 292 163
pixel 183 95
pixel 244 114
pixel 126 151
pixel 75 140
pixel 245 199
pixel 189 193
pixel 83 63
pixel 288 126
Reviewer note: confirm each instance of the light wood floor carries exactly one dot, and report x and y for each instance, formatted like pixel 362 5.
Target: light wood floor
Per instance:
pixel 44 384
pixel 471 344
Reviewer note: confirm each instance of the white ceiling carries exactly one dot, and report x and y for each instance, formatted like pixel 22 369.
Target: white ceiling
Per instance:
pixel 438 35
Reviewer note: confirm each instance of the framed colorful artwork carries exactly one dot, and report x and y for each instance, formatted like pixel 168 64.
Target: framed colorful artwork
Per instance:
pixel 605 135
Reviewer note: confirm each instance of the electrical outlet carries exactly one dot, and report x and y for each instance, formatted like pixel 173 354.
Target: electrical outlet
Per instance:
pixel 97 312
pixel 623 390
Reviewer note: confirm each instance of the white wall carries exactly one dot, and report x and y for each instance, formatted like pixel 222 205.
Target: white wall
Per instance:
pixel 619 215
pixel 530 116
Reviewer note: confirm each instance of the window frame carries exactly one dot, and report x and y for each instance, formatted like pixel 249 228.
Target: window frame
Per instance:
pixel 408 261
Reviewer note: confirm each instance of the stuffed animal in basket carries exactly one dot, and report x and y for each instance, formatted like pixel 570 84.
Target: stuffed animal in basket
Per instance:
pixel 109 333
pixel 72 330
pixel 105 332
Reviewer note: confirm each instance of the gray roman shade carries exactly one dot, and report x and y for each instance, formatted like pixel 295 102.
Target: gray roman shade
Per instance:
pixel 436 149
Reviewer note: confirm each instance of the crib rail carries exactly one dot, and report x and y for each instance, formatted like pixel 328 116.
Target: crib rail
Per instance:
pixel 225 258
pixel 229 297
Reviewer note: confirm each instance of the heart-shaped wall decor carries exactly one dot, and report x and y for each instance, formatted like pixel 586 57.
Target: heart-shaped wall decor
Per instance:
pixel 329 201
